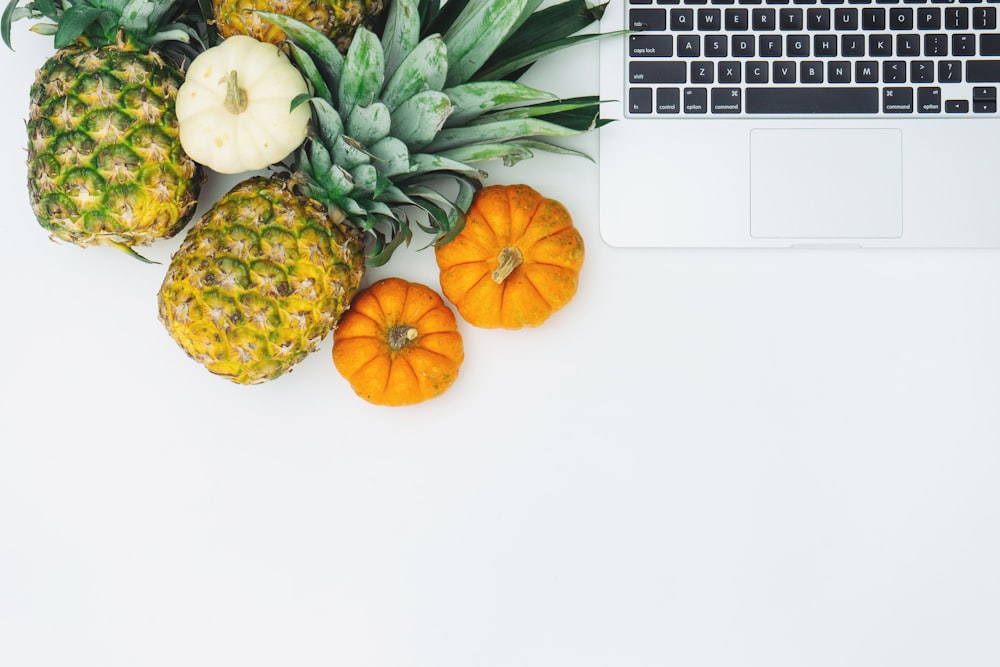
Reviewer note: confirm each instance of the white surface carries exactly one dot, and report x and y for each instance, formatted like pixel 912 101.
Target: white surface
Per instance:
pixel 708 459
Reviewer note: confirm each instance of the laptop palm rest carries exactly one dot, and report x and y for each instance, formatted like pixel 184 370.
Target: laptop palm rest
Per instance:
pixel 826 183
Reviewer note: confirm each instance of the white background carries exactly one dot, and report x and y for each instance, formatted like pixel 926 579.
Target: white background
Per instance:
pixel 708 459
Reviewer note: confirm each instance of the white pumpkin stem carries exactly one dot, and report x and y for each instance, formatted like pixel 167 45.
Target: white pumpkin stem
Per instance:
pixel 509 258
pixel 236 97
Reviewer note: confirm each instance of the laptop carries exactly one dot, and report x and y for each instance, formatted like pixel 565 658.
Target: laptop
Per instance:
pixel 786 123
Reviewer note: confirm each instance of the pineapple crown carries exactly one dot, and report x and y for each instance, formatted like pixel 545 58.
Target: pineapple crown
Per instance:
pixel 400 121
pixel 139 24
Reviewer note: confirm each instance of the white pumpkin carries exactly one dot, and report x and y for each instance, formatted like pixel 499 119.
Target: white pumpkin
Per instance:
pixel 233 109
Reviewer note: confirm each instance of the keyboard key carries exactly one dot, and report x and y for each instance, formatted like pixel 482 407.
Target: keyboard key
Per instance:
pixel 929 18
pixel 989 44
pixel 640 100
pixel 852 46
pixel 873 18
pixel 838 71
pixel 716 46
pixel 730 72
pixel 743 46
pixel 866 71
pixel 784 72
pixel 757 72
pixel 893 71
pixel 688 46
pixel 657 71
pixel 651 46
pixel 798 45
pixel 908 45
pixel 695 100
pixel 811 100
pixel 648 19
pixel 879 45
pixel 681 20
pixel 963 44
pixel 956 106
pixel 811 71
pixel 668 100
pixel 702 72
pixel 956 18
pixel 984 18
pixel 921 71
pixel 949 71
pixel 901 18
pixel 825 45
pixel 737 19
pixel 763 19
pixel 897 100
pixel 818 19
pixel 770 46
pixel 928 100
pixel 936 44
pixel 790 19
pixel 727 100
pixel 845 18
pixel 709 20
pixel 982 71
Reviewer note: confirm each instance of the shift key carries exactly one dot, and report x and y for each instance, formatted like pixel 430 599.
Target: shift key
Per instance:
pixel 656 71
pixel 982 71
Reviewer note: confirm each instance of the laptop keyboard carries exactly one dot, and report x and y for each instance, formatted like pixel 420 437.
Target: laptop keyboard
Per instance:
pixel 725 58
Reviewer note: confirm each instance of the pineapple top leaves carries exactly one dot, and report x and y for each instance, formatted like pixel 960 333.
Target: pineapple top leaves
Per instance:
pixel 401 121
pixel 140 24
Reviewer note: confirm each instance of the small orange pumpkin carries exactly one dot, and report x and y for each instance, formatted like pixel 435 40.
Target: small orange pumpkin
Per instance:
pixel 398 344
pixel 516 261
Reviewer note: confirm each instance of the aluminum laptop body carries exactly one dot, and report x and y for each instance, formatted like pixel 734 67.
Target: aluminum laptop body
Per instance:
pixel 703 153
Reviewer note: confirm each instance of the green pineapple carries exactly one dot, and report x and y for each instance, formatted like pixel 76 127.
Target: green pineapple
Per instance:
pixel 105 165
pixel 337 19
pixel 398 124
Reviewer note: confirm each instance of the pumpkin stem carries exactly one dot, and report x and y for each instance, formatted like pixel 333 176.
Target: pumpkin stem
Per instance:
pixel 401 336
pixel 510 258
pixel 236 97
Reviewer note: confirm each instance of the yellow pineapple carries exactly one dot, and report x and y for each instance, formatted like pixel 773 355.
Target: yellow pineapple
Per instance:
pixel 338 19
pixel 105 164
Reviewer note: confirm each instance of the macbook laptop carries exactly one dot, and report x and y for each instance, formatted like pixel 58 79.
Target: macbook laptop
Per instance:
pixel 781 123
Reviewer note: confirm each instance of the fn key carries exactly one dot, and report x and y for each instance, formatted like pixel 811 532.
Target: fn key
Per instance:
pixel 640 100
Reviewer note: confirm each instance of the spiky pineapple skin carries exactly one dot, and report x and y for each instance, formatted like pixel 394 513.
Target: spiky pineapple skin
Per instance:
pixel 337 19
pixel 259 281
pixel 105 163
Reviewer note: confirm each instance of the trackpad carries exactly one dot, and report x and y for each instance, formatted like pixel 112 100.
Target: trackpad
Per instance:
pixel 807 183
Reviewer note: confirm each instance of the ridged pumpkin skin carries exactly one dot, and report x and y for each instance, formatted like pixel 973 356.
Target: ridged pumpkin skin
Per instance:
pixel 398 344
pixel 516 261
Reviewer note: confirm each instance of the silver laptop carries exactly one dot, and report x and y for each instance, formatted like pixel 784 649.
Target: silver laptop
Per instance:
pixel 766 123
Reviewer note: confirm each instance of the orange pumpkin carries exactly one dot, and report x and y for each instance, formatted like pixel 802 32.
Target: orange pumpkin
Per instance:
pixel 398 344
pixel 516 261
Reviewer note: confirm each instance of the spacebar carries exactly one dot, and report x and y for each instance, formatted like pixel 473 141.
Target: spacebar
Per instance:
pixel 811 100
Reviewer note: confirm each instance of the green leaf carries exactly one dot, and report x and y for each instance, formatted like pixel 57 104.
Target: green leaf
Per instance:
pixel 570 109
pixel 328 121
pixel 419 119
pixel 425 68
pixel 508 152
pixel 544 27
pixel 328 59
pixel 369 124
pixel 517 64
pixel 499 131
pixel 363 75
pixel 391 155
pixel 365 178
pixel 401 33
pixel 478 31
pixel 539 145
pixel 348 153
pixel 385 250
pixel 309 70
pixel 471 100
pixel 437 19
pixel 423 163
pixel 74 23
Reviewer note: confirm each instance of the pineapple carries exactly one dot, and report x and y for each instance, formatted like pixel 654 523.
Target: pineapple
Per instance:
pixel 105 164
pixel 398 124
pixel 337 19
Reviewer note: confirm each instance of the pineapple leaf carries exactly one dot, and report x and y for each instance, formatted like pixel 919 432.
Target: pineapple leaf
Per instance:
pixel 423 163
pixel 348 153
pixel 328 121
pixel 542 33
pixel 419 119
pixel 392 156
pixel 516 65
pixel 364 71
pixel 509 152
pixel 369 124
pixel 328 59
pixel 563 112
pixel 477 32
pixel 498 131
pixel 401 33
pixel 476 98
pixel 309 70
pixel 75 21
pixel 382 251
pixel 436 18
pixel 425 68
pixel 539 145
